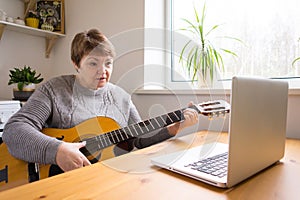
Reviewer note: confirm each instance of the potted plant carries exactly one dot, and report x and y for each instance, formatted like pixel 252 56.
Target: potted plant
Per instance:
pixel 32 19
pixel 25 79
pixel 203 58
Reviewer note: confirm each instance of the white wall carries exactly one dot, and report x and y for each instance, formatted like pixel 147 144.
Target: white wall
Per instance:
pixel 121 21
pixel 17 49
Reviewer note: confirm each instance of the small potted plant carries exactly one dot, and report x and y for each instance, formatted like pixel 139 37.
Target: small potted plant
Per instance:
pixel 25 79
pixel 32 19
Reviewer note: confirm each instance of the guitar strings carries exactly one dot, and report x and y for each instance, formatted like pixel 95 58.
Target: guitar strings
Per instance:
pixel 107 139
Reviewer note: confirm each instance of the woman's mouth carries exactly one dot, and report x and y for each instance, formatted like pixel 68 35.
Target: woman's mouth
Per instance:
pixel 101 78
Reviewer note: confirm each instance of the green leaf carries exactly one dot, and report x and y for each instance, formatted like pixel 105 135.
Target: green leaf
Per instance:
pixel 193 28
pixel 213 28
pixel 297 59
pixel 230 52
pixel 20 86
pixel 183 50
pixel 23 76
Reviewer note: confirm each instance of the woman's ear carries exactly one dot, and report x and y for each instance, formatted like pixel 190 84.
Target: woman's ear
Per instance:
pixel 76 67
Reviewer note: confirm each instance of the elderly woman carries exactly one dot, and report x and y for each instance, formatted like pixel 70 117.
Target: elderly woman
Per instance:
pixel 68 100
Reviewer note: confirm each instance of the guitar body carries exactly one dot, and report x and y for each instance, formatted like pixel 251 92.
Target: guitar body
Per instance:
pixel 15 171
pixel 87 129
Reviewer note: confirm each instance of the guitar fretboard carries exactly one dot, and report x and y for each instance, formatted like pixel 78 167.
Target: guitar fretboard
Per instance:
pixel 108 139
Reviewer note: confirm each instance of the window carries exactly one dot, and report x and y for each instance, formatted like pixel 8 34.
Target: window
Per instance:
pixel 269 29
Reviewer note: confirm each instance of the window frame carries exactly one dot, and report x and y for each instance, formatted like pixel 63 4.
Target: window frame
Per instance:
pixel 165 66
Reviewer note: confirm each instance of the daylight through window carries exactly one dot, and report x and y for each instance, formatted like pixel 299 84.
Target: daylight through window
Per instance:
pixel 269 30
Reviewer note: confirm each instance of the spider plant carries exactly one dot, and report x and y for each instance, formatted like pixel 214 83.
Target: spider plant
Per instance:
pixel 202 56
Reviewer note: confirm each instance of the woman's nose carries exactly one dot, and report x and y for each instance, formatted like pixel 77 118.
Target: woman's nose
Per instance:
pixel 101 69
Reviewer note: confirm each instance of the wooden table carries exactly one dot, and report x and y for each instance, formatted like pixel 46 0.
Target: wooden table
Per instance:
pixel 133 177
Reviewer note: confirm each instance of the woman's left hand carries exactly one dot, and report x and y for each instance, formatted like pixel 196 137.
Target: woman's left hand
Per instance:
pixel 190 118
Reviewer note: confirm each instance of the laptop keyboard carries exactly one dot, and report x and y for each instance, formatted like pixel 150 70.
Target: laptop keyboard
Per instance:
pixel 215 165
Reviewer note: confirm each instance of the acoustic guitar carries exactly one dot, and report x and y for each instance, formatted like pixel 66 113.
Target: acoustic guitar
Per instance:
pixel 101 135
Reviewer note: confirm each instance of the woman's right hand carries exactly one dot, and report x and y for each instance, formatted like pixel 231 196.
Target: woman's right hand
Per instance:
pixel 69 157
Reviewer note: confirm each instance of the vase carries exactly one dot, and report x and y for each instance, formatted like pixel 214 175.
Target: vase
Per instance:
pixel 32 22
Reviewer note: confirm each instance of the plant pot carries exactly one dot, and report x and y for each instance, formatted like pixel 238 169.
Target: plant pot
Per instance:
pixel 22 95
pixel 32 22
pixel 29 87
pixel 25 93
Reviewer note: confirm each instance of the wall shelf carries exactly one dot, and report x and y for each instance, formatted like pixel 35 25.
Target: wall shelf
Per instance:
pixel 50 37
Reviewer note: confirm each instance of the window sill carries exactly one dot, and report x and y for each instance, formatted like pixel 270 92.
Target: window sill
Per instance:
pixel 203 91
pixel 292 91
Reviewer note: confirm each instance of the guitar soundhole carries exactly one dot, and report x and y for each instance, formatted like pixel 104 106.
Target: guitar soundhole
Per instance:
pixel 60 138
pixel 4 174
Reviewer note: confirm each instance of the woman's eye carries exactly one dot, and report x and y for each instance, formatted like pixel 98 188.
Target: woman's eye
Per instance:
pixel 93 64
pixel 109 64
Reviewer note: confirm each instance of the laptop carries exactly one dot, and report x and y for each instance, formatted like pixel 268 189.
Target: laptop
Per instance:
pixel 257 131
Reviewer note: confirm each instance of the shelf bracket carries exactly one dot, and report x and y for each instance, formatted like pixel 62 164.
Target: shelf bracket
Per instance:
pixel 50 41
pixel 2 26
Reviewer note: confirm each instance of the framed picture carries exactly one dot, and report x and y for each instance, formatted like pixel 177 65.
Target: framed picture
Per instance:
pixel 52 15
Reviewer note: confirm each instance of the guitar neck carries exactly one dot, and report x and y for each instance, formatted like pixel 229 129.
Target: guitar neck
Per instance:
pixel 134 130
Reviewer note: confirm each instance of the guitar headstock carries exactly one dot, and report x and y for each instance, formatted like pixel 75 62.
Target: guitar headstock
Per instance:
pixel 213 108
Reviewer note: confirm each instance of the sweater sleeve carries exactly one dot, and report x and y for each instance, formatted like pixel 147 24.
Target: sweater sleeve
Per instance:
pixel 153 138
pixel 22 133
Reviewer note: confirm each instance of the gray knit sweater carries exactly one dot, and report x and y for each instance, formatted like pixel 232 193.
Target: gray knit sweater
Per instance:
pixel 63 103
